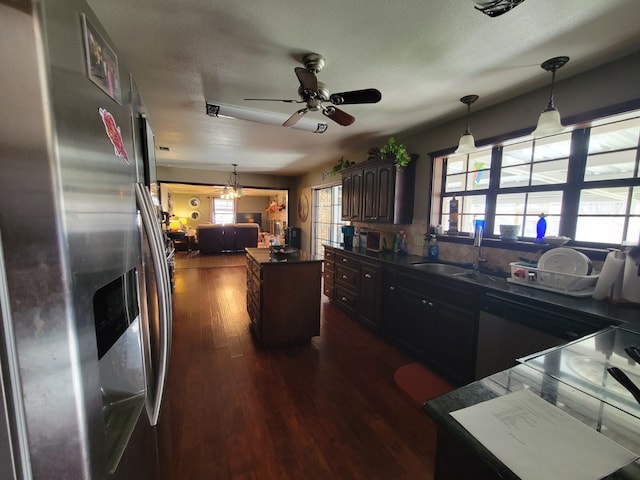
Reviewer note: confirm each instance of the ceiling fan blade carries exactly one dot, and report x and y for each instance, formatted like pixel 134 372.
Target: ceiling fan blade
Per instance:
pixel 368 95
pixel 338 116
pixel 307 79
pixel 293 119
pixel 275 100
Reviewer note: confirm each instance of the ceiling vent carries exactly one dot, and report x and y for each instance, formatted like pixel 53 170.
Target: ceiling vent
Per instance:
pixel 495 8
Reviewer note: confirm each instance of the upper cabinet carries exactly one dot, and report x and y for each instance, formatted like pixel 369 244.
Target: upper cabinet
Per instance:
pixel 376 191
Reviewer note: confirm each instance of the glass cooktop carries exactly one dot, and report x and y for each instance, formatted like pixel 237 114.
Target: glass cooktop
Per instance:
pixel 583 365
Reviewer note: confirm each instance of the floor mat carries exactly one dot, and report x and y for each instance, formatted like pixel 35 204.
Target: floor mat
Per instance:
pixel 420 383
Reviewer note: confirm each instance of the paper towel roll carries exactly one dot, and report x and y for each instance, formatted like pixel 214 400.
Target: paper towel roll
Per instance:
pixel 631 280
pixel 611 277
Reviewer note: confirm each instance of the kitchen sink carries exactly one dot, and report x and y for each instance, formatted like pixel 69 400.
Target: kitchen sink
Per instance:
pixel 441 268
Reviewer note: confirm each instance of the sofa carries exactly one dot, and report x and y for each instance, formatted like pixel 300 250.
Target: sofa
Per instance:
pixel 214 238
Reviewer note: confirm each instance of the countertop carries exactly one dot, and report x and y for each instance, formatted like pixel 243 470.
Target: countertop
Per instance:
pixel 281 255
pixel 607 313
pixel 621 427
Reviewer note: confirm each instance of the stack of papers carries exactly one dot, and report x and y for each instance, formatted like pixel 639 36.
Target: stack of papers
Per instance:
pixel 535 439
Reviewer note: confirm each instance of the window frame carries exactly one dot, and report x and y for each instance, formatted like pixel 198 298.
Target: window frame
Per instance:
pixel 571 189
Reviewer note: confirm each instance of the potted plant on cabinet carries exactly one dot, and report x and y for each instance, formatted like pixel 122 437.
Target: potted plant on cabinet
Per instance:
pixel 397 151
pixel 340 164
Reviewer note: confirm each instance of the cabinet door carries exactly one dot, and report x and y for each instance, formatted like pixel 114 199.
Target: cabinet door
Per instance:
pixel 389 301
pixel 346 196
pixel 370 194
pixel 369 298
pixel 451 343
pixel 356 195
pixel 385 192
pixel 410 324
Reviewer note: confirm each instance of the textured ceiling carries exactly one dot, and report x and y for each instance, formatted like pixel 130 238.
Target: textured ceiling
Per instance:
pixel 423 55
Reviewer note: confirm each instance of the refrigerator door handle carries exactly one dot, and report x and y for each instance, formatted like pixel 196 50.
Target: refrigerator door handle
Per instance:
pixel 152 227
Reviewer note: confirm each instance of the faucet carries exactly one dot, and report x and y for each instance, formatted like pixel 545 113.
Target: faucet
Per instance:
pixel 477 243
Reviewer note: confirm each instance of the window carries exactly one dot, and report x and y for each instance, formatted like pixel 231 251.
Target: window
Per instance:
pixel 326 218
pixel 586 182
pixel 223 211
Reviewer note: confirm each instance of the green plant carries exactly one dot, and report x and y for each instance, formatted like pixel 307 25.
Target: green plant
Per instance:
pixel 398 151
pixel 340 164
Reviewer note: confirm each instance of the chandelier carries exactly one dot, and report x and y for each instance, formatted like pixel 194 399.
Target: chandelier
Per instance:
pixel 233 189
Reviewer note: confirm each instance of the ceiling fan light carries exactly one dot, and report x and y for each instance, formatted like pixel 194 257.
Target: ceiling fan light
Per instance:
pixel 548 124
pixel 467 144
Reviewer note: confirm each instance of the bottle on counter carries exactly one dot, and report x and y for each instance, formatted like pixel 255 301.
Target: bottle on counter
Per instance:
pixel 433 248
pixel 425 245
pixel 402 243
pixel 453 216
pixel 541 229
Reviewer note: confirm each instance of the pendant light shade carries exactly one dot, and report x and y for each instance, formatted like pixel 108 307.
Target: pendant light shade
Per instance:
pixel 467 143
pixel 549 122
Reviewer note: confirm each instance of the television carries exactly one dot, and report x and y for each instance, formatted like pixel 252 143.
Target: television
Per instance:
pixel 249 218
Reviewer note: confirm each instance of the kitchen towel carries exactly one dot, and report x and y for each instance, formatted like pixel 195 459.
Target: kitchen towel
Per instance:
pixel 611 277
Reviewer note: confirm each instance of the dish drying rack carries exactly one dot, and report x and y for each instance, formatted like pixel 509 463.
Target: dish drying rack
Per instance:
pixel 574 285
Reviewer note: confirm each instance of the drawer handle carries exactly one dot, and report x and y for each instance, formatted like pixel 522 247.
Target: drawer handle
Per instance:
pixel 392 289
pixel 344 299
pixel 344 277
pixel 367 275
pixel 345 260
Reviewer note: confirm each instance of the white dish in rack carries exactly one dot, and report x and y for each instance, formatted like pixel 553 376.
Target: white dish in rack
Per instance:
pixel 565 260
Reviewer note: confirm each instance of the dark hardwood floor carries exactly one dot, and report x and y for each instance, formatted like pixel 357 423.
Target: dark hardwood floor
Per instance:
pixel 325 410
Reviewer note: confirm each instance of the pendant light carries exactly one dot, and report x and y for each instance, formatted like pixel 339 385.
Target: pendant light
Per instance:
pixel 233 189
pixel 467 143
pixel 549 121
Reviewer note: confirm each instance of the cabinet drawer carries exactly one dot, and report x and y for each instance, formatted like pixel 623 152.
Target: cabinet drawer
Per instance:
pixel 328 277
pixel 346 276
pixel 253 287
pixel 253 267
pixel 349 262
pixel 329 266
pixel 328 291
pixel 345 298
pixel 329 255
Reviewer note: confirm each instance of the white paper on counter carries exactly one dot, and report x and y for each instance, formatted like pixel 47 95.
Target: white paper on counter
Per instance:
pixel 538 440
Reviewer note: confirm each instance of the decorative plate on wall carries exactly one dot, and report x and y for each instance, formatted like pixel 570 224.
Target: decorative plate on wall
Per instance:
pixel 303 208
pixel 194 202
pixel 195 215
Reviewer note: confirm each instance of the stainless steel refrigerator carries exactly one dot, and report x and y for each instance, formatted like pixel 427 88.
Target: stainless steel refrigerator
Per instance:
pixel 85 304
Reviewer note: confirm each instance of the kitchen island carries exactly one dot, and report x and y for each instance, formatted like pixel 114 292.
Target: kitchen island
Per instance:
pixel 460 455
pixel 283 295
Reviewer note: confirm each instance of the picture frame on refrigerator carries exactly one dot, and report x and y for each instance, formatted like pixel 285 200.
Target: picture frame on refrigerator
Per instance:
pixel 101 61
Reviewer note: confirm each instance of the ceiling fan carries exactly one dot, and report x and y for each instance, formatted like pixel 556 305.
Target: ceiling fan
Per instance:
pixel 314 93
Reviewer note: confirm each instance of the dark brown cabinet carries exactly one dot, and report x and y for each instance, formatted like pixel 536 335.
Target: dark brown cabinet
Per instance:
pixel 346 282
pixel 278 316
pixel 357 286
pixel 378 192
pixel 328 273
pixel 438 325
pixel 369 296
pixel 430 319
